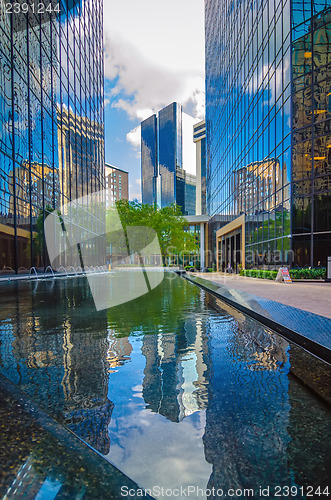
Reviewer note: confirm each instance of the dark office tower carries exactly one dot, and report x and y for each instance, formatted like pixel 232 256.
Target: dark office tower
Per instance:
pixel 51 120
pixel 161 159
pixel 170 150
pixel 268 112
pixel 185 191
pixel 149 165
pixel 311 131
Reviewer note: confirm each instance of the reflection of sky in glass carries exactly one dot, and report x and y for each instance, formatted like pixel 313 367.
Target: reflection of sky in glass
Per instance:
pixel 247 88
pixel 253 118
pixel 51 121
pixel 169 150
pixel 149 163
pixel 248 75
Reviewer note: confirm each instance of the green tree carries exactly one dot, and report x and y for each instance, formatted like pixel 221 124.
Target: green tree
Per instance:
pixel 38 234
pixel 167 222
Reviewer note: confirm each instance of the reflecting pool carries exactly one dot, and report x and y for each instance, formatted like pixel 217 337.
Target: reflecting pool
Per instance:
pixel 174 388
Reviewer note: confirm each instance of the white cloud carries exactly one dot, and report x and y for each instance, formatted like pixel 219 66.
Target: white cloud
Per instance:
pixel 134 137
pixel 155 50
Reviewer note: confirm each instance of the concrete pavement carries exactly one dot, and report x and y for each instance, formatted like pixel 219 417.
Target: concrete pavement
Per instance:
pixel 308 296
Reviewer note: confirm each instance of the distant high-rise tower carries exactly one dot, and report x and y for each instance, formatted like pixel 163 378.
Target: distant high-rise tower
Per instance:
pixel 149 167
pixel 162 173
pixel 170 151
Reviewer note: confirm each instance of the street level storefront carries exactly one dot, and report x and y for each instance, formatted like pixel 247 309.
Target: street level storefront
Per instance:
pixel 236 250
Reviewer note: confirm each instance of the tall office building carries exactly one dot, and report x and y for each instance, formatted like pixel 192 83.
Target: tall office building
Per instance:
pixel 51 121
pixel 117 184
pixel 149 162
pixel 199 137
pixel 269 149
pixel 185 191
pixel 169 151
pixel 163 180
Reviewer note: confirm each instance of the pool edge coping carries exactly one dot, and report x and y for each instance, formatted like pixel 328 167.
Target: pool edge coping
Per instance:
pixel 312 347
pixel 65 436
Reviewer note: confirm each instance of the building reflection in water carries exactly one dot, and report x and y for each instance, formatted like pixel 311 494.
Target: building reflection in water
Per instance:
pixel 119 351
pixel 174 345
pixel 58 355
pixel 195 385
pixel 176 374
pixel 259 420
pixel 87 409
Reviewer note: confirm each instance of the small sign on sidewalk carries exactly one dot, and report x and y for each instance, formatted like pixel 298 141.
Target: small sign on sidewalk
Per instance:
pixel 283 274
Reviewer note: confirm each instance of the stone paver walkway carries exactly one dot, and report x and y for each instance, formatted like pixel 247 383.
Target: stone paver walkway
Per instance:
pixel 308 296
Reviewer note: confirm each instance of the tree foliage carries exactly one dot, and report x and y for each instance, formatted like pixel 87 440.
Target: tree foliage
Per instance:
pixel 168 223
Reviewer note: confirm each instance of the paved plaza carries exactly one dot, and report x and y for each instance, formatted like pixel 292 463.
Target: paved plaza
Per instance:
pixel 309 296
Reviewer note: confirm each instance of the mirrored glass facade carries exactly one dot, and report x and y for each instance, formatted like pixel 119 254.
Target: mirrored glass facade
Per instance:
pixel 163 180
pixel 170 150
pixel 51 122
pixel 311 124
pixel 185 191
pixel 256 164
pixel 149 165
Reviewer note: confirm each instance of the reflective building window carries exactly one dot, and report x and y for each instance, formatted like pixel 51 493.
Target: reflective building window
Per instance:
pixel 163 179
pixel 311 120
pixel 170 150
pixel 149 166
pixel 51 123
pixel 268 128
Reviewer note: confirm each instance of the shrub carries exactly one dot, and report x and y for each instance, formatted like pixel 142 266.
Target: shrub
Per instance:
pixel 298 273
pixel 306 273
pixel 259 273
pixel 189 268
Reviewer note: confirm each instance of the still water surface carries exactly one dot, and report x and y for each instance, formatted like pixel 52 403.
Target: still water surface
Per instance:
pixel 174 388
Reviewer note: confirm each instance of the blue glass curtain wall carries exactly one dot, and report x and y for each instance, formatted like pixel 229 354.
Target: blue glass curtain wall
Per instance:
pixel 51 122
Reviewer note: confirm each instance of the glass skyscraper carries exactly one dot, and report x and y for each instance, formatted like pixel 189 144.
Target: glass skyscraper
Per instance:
pixel 163 180
pixel 149 165
pixel 185 191
pixel 268 111
pixel 51 121
pixel 311 131
pixel 170 150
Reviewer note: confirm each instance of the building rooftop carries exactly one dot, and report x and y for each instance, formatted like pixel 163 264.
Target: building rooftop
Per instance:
pixel 116 168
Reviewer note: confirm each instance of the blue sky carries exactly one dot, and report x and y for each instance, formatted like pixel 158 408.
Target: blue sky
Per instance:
pixel 154 55
pixel 118 151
